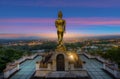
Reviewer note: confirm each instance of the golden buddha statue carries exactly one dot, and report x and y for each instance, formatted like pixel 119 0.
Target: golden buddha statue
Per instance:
pixel 60 25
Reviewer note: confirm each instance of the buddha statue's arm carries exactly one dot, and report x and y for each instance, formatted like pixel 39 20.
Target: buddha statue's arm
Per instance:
pixel 56 23
pixel 64 25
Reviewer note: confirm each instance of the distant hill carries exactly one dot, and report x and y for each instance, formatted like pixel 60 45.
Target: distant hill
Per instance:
pixel 106 37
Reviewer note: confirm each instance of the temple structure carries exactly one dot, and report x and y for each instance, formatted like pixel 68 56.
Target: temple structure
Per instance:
pixel 61 63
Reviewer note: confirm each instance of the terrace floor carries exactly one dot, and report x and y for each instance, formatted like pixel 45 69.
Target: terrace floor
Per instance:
pixel 27 69
pixel 94 68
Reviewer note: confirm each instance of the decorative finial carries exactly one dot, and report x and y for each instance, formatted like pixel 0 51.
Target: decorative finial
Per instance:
pixel 60 14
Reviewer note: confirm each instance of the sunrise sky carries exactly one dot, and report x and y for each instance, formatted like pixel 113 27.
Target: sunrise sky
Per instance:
pixel 26 18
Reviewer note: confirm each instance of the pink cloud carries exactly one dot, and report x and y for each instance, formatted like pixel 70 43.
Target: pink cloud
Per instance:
pixel 28 20
pixel 81 21
pixel 94 21
pixel 45 35
pixel 25 29
pixel 47 24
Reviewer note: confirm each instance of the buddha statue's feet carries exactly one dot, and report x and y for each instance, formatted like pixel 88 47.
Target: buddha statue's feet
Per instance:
pixel 61 48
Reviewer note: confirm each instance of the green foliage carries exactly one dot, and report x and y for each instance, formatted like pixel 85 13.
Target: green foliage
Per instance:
pixel 46 45
pixel 74 45
pixel 8 55
pixel 113 54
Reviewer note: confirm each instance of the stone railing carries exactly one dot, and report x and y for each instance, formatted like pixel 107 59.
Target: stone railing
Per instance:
pixel 31 57
pixel 1 76
pixel 101 59
pixel 106 66
pixel 112 70
pixel 96 57
pixel 47 67
pixel 13 67
pixel 25 58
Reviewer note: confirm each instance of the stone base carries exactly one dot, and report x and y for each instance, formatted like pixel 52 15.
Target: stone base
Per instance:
pixel 82 74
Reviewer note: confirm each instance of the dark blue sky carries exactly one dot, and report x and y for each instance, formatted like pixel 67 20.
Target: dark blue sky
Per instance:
pixel 36 17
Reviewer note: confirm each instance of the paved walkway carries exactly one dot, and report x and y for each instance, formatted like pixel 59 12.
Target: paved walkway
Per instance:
pixel 94 68
pixel 27 69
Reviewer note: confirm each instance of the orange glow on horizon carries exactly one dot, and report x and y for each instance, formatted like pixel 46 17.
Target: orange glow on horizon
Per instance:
pixel 51 35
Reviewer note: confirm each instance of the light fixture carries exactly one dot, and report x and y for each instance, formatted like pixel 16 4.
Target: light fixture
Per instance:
pixel 71 57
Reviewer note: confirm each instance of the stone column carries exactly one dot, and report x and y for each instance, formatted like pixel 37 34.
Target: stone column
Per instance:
pixel 37 65
pixel 71 66
pixel 18 66
pixel 49 66
pixel 104 65
pixel 66 65
pixel 6 74
pixel 54 65
pixel 115 72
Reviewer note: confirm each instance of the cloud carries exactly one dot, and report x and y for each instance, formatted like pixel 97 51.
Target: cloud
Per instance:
pixel 45 26
pixel 27 20
pixel 81 21
pixel 25 29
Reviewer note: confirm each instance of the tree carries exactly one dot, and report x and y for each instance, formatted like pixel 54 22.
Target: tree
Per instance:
pixel 113 54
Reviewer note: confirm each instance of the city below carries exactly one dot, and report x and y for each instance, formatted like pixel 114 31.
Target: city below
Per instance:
pixel 100 56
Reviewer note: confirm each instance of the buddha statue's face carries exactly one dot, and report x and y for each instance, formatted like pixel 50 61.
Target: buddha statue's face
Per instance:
pixel 59 14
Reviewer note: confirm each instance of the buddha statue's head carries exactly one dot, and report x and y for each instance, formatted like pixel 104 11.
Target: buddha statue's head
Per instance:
pixel 60 14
